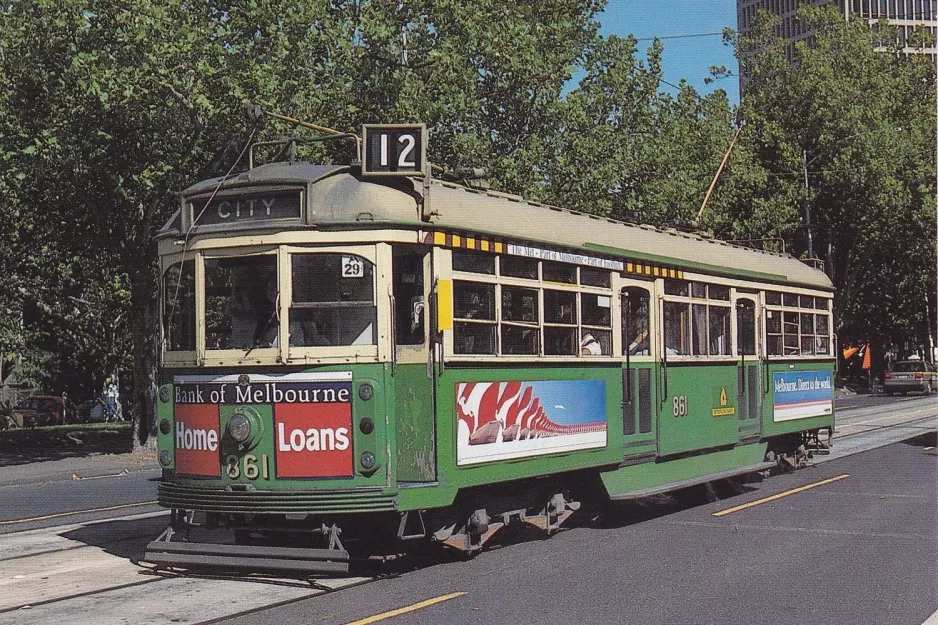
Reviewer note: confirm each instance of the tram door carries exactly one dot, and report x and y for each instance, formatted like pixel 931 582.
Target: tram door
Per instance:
pixel 639 372
pixel 749 371
pixel 414 407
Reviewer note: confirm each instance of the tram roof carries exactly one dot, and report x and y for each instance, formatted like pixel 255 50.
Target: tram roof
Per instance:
pixel 337 195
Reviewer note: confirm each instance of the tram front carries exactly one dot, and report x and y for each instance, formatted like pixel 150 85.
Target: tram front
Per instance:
pixel 274 409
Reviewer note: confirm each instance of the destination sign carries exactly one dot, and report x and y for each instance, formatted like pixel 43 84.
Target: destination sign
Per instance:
pixel 394 149
pixel 253 207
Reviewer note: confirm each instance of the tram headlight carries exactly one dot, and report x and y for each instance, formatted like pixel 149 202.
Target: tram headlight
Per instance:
pixel 166 458
pixel 368 461
pixel 366 391
pixel 239 428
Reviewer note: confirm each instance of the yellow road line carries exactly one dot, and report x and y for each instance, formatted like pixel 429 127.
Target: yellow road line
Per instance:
pixel 74 512
pixel 410 608
pixel 927 448
pixel 780 495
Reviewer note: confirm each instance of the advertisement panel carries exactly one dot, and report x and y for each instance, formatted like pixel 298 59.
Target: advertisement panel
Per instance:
pixel 518 419
pixel 802 394
pixel 311 421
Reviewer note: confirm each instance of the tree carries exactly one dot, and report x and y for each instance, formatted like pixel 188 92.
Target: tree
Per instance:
pixel 846 133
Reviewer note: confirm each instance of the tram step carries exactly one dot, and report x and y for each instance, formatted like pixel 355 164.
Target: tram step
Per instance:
pixel 247 557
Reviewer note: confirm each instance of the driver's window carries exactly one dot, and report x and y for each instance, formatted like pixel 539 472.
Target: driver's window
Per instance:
pixel 241 302
pixel 636 313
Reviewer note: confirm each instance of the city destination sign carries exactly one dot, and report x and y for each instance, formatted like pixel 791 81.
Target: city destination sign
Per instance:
pixel 252 207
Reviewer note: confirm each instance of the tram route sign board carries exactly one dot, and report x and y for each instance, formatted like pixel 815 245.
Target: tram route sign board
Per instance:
pixel 394 150
pixel 253 207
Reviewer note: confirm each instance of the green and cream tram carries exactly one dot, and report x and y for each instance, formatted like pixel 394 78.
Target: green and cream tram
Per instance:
pixel 354 357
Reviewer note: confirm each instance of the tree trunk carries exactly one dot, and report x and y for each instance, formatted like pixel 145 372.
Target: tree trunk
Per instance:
pixel 145 333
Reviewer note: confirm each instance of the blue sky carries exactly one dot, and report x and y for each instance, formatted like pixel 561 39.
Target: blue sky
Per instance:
pixel 689 58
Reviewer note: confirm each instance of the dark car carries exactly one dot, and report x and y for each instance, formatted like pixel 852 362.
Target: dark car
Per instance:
pixel 910 375
pixel 41 410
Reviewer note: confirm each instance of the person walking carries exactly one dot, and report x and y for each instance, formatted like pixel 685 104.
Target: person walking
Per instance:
pixel 111 395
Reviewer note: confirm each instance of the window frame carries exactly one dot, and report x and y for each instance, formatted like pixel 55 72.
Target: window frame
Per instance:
pixel 693 299
pixel 785 314
pixel 541 286
pixel 379 254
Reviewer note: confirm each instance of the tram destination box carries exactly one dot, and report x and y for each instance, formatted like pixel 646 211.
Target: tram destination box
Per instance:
pixel 394 149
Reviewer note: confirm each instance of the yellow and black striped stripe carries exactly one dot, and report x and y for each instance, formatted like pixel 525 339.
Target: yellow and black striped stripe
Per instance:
pixel 444 239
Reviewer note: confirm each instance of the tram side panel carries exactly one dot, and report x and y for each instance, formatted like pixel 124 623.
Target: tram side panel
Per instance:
pixel 700 408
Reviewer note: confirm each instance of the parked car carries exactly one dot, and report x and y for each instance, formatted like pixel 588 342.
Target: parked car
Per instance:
pixel 41 410
pixel 911 375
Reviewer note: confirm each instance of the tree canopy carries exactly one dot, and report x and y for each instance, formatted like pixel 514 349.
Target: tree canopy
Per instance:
pixel 845 131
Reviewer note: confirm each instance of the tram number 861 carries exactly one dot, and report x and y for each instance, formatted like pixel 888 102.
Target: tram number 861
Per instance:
pixel 679 405
pixel 250 466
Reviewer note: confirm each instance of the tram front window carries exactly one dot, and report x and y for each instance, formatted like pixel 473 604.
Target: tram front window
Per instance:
pixel 241 302
pixel 179 307
pixel 333 301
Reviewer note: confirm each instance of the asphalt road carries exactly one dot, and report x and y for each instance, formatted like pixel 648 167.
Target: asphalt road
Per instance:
pixel 861 549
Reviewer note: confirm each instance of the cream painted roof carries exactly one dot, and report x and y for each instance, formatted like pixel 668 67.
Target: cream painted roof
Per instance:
pixel 336 195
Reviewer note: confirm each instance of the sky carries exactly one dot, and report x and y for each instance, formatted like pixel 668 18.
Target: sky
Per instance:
pixel 687 57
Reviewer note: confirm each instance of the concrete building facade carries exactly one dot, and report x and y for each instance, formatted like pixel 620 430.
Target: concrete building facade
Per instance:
pixel 905 15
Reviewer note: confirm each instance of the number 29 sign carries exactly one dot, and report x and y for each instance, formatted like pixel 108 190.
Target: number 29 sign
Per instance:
pixel 394 149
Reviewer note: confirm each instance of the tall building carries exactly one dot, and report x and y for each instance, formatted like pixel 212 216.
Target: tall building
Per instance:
pixel 905 15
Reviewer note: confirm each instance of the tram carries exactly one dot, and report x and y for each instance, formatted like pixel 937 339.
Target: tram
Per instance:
pixel 358 356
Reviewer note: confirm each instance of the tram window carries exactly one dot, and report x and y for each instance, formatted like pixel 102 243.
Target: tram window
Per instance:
pixel 790 333
pixel 594 277
pixel 518 267
pixel 720 344
pixel 560 341
pixel 597 310
pixel 559 272
pixel 698 290
pixel 519 304
pixel 520 340
pixel 179 307
pixel 700 330
pixel 676 287
pixel 473 338
pixel 333 301
pixel 773 330
pixel 821 304
pixel 596 342
pixel 807 333
pixel 790 299
pixel 560 307
pixel 473 262
pixel 677 330
pixel 773 298
pixel 719 292
pixel 746 327
pixel 476 302
pixel 806 301
pixel 822 340
pixel 635 313
pixel 473 300
pixel 409 313
pixel 241 302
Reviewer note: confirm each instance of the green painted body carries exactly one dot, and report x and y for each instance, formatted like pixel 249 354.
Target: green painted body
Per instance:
pixel 416 449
